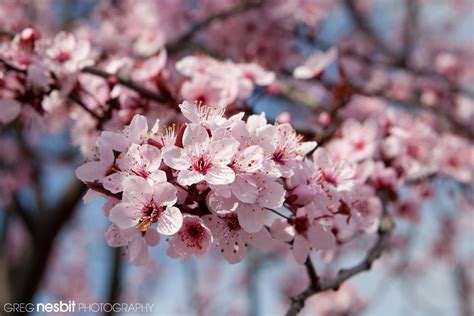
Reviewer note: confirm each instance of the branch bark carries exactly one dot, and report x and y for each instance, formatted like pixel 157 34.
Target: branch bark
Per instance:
pixel 240 7
pixel 49 226
pixel 316 286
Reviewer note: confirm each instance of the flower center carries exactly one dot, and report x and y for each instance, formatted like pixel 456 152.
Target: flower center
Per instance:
pixel 279 156
pixel 301 224
pixel 141 172
pixel 233 222
pixel 62 57
pixel 150 214
pixel 196 232
pixel 201 165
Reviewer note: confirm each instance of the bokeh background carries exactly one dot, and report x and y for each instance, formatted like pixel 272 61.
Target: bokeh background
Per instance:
pixel 81 267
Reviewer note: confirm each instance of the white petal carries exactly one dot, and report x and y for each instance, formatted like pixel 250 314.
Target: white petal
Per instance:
pixel 251 217
pixel 195 134
pixel 170 221
pixel 300 249
pixel 220 175
pixel 125 215
pixel 176 159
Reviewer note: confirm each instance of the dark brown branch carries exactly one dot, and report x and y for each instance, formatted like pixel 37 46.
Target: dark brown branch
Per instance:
pixel 22 213
pixel 317 286
pixel 115 278
pixel 363 24
pixel 146 93
pixel 50 224
pixel 240 7
pixel 74 97
pixel 410 29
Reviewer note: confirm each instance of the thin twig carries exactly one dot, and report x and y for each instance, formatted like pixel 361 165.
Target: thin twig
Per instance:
pixel 384 232
pixel 240 7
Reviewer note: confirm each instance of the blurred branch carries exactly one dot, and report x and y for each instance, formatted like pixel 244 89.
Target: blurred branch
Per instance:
pixel 463 290
pixel 144 92
pixel 49 226
pixel 240 7
pixel 410 29
pixel 363 24
pixel 22 213
pixel 316 286
pixel 115 279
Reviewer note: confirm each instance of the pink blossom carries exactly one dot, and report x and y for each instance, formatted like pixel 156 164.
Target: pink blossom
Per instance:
pixel 333 175
pixel 202 158
pixel 193 238
pixel 68 54
pixel 144 205
pixel 230 239
pixel 209 116
pixel 305 232
pixel 140 160
pixel 286 147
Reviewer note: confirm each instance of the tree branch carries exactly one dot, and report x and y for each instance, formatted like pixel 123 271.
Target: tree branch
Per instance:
pixel 115 279
pixel 364 25
pixel 144 92
pixel 49 227
pixel 240 7
pixel 316 286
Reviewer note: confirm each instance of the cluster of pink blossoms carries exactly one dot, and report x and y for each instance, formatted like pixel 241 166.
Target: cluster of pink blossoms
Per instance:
pixel 217 180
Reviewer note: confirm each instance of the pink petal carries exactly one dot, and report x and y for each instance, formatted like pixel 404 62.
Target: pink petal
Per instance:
pixel 9 110
pixel 220 175
pixel 174 158
pixel 187 177
pixel 300 249
pixel 245 189
pixel 272 195
pixel 135 247
pixel 164 194
pixel 136 190
pixel 251 217
pixel 91 171
pixel 319 238
pixel 195 134
pixel 170 221
pixel 152 237
pixel 125 215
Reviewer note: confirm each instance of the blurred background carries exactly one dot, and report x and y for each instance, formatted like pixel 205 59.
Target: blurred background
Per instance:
pixel 60 253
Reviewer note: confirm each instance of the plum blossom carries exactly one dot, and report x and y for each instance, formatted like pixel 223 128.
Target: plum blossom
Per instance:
pixel 358 142
pixel 305 232
pixel 144 205
pixel 202 158
pixel 140 160
pixel 334 176
pixel 287 147
pixel 193 238
pixel 136 243
pixel 68 54
pixel 231 240
pixel 209 116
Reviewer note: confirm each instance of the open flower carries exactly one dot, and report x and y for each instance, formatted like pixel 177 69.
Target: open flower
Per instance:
pixel 202 158
pixel 306 233
pixel 69 54
pixel 193 238
pixel 144 205
pixel 140 160
pixel 287 147
pixel 209 116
